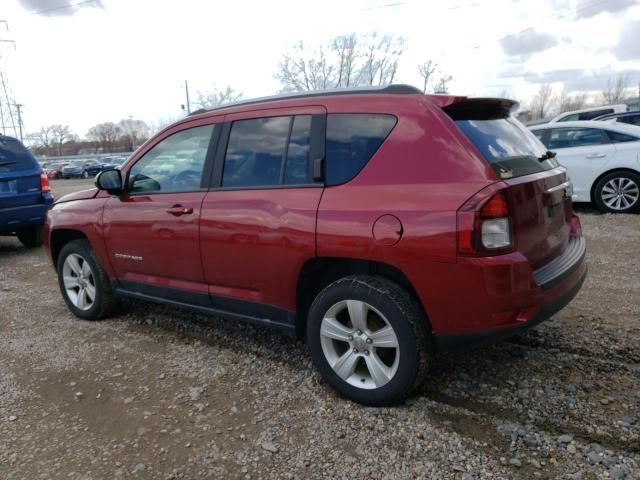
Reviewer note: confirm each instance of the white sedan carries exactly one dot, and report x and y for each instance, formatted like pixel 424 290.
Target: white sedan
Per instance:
pixel 602 159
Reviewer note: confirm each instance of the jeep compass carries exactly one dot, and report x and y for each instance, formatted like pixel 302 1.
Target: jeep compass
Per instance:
pixel 379 224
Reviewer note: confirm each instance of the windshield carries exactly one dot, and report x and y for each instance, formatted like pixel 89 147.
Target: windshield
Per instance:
pixel 511 149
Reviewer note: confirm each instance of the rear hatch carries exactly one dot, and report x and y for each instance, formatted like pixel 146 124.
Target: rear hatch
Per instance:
pixel 19 175
pixel 537 187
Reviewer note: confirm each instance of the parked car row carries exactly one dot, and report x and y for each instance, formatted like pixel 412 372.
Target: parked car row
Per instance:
pixel 81 168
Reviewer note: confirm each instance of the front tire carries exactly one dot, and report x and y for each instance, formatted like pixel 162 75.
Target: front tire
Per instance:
pixel 83 282
pixel 368 338
pixel 618 192
pixel 30 237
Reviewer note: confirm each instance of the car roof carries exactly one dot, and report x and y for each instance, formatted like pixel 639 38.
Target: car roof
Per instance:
pixel 388 89
pixel 616 127
pixel 622 106
pixel 608 116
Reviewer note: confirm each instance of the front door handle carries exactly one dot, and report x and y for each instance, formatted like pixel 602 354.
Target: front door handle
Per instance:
pixel 178 210
pixel 597 155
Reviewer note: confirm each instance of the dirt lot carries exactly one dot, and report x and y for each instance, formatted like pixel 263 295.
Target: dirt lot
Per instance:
pixel 162 393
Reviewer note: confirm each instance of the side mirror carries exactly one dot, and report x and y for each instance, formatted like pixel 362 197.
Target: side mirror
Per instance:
pixel 111 181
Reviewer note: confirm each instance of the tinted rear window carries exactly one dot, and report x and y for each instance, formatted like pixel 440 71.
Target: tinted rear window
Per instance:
pixel 14 156
pixel 352 139
pixel 510 148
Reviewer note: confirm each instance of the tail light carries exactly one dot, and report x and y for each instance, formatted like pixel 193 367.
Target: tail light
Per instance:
pixel 484 225
pixel 44 183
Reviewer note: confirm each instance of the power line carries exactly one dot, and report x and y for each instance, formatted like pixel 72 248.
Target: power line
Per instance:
pixel 63 7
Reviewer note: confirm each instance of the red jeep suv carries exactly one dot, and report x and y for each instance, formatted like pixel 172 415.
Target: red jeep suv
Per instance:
pixel 378 223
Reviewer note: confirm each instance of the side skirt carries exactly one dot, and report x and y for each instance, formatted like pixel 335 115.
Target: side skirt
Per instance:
pixel 252 312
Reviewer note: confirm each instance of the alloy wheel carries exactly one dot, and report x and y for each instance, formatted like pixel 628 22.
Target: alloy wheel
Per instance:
pixel 620 193
pixel 359 344
pixel 79 281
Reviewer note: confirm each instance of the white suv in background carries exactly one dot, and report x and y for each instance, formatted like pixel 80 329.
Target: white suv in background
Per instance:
pixel 602 158
pixel 589 113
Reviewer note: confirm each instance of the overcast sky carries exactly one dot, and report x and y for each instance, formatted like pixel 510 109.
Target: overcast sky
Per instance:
pixel 81 62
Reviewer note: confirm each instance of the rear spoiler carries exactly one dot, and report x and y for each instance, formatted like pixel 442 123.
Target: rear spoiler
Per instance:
pixel 480 108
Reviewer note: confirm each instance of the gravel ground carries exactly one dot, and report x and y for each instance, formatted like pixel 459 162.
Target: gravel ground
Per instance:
pixel 161 393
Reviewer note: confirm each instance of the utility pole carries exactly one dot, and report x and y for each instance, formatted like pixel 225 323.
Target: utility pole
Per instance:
pixel 186 90
pixel 19 110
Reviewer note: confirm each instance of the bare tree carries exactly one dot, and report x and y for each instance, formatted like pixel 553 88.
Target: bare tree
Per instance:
pixel 43 138
pixel 217 97
pixel 542 101
pixel 443 84
pixel 346 49
pixel 346 61
pixel 381 59
pixel 568 102
pixel 617 89
pixel 427 70
pixel 133 133
pixel 304 70
pixel 106 134
pixel 59 135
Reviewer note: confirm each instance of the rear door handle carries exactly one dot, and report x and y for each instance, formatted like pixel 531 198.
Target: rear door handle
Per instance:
pixel 178 210
pixel 597 155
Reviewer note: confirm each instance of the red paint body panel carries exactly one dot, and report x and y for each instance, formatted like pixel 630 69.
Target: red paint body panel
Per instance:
pixel 83 216
pixel 254 242
pixel 146 243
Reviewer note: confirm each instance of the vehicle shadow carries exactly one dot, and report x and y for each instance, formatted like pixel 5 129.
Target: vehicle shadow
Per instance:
pixel 589 208
pixel 11 245
pixel 453 376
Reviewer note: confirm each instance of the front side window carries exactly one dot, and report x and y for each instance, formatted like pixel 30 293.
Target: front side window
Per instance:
pixel 575 137
pixel 352 139
pixel 539 134
pixel 173 165
pixel 269 151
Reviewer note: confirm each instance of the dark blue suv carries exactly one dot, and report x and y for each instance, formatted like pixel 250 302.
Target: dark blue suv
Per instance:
pixel 25 194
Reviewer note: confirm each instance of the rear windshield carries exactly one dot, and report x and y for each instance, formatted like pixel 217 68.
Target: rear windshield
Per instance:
pixel 509 147
pixel 14 156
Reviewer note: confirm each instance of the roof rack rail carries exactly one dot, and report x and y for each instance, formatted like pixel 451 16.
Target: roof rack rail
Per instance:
pixel 393 88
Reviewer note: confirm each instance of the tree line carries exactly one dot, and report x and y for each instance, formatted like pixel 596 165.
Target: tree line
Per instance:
pixel 108 137
pixel 547 102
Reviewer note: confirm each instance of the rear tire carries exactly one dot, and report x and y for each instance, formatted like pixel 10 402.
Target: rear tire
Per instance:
pixel 30 237
pixel 368 338
pixel 618 192
pixel 84 285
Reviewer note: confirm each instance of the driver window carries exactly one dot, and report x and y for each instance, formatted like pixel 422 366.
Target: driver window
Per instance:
pixel 173 165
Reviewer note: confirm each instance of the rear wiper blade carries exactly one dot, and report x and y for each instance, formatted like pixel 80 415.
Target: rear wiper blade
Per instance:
pixel 547 156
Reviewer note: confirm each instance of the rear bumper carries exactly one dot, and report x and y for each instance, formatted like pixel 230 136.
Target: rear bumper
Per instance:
pixel 552 288
pixel 16 218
